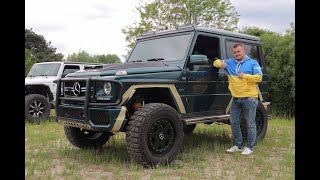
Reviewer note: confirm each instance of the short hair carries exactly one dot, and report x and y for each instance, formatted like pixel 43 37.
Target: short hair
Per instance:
pixel 238 44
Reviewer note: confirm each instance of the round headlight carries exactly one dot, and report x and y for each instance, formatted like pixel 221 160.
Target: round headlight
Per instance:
pixel 107 88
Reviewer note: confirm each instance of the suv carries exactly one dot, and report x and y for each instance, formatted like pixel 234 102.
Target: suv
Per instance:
pixel 164 89
pixel 40 88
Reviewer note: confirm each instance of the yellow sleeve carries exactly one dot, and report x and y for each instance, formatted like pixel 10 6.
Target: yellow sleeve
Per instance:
pixel 253 78
pixel 217 63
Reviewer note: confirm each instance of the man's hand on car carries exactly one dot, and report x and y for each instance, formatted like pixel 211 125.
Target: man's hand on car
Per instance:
pixel 224 64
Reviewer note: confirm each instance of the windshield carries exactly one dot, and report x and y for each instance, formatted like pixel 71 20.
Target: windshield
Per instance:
pixel 50 69
pixel 165 49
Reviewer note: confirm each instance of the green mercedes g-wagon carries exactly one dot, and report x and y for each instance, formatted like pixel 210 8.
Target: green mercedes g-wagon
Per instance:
pixel 164 89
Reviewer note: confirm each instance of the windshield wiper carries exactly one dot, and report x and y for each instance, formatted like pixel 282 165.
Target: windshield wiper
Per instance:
pixel 155 59
pixel 136 61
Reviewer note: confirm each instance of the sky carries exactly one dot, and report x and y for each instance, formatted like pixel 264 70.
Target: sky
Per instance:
pixel 95 25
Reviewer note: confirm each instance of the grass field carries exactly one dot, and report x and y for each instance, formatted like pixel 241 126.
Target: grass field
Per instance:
pixel 49 155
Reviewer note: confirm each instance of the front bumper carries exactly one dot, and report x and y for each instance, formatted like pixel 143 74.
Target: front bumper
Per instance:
pixel 111 119
pixel 82 113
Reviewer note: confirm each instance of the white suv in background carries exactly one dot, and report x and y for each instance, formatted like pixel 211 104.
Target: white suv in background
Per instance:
pixel 40 85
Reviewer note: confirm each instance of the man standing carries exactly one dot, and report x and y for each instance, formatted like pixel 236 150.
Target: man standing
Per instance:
pixel 243 75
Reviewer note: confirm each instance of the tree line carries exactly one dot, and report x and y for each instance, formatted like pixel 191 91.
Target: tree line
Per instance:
pixel 38 49
pixel 158 15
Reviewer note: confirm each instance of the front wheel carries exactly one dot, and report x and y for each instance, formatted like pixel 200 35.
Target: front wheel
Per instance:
pixel 83 138
pixel 154 134
pixel 261 123
pixel 37 108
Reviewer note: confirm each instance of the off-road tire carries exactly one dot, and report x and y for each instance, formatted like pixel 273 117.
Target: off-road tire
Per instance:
pixel 86 139
pixel 37 108
pixel 149 126
pixel 261 123
pixel 188 129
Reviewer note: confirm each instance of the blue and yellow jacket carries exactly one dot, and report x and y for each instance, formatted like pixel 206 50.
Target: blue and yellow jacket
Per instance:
pixel 252 74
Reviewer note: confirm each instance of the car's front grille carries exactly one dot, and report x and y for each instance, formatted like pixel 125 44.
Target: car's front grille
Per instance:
pixel 74 88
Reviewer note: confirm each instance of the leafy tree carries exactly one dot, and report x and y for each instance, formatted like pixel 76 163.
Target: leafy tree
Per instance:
pixel 168 14
pixel 108 59
pixel 279 54
pixel 28 61
pixel 255 31
pixel 81 56
pixel 290 34
pixel 40 49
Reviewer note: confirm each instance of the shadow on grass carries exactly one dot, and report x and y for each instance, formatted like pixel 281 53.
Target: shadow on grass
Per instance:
pixel 202 140
pixel 36 121
pixel 114 153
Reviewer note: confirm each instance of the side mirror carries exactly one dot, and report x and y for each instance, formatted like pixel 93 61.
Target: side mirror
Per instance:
pixel 198 59
pixel 63 75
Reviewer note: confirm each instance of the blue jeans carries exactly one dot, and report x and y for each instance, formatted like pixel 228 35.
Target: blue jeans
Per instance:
pixel 248 107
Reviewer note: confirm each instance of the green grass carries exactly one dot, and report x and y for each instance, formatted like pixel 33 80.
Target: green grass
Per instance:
pixel 49 155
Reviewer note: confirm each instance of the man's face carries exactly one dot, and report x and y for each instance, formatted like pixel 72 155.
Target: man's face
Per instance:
pixel 238 53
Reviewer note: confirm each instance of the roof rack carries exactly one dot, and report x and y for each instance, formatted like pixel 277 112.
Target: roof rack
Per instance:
pixel 148 33
pixel 187 26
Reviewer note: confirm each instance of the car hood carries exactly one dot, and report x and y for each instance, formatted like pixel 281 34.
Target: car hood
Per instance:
pixel 39 80
pixel 130 68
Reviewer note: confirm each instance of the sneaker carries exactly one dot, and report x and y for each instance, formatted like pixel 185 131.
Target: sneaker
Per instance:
pixel 246 151
pixel 234 149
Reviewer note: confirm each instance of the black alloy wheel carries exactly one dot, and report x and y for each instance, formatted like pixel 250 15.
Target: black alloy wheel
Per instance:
pixel 161 136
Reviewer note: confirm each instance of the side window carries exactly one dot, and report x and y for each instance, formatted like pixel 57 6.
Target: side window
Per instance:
pixel 251 50
pixel 229 46
pixel 208 46
pixel 70 69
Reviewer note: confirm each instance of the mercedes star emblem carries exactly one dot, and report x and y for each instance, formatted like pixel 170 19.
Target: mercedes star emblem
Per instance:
pixel 76 89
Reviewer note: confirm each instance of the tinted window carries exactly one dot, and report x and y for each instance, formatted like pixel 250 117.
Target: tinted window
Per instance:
pixel 70 69
pixel 251 50
pixel 208 46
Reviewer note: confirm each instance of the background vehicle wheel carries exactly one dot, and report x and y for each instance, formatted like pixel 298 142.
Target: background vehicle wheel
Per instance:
pixel 154 134
pixel 83 138
pixel 188 129
pixel 37 108
pixel 261 123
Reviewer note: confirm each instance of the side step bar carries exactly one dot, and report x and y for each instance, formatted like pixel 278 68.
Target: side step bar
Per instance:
pixel 206 119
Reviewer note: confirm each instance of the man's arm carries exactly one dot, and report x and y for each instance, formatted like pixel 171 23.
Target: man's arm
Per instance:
pixel 256 74
pixel 219 63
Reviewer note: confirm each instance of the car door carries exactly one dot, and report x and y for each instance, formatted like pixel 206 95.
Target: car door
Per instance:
pixel 206 84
